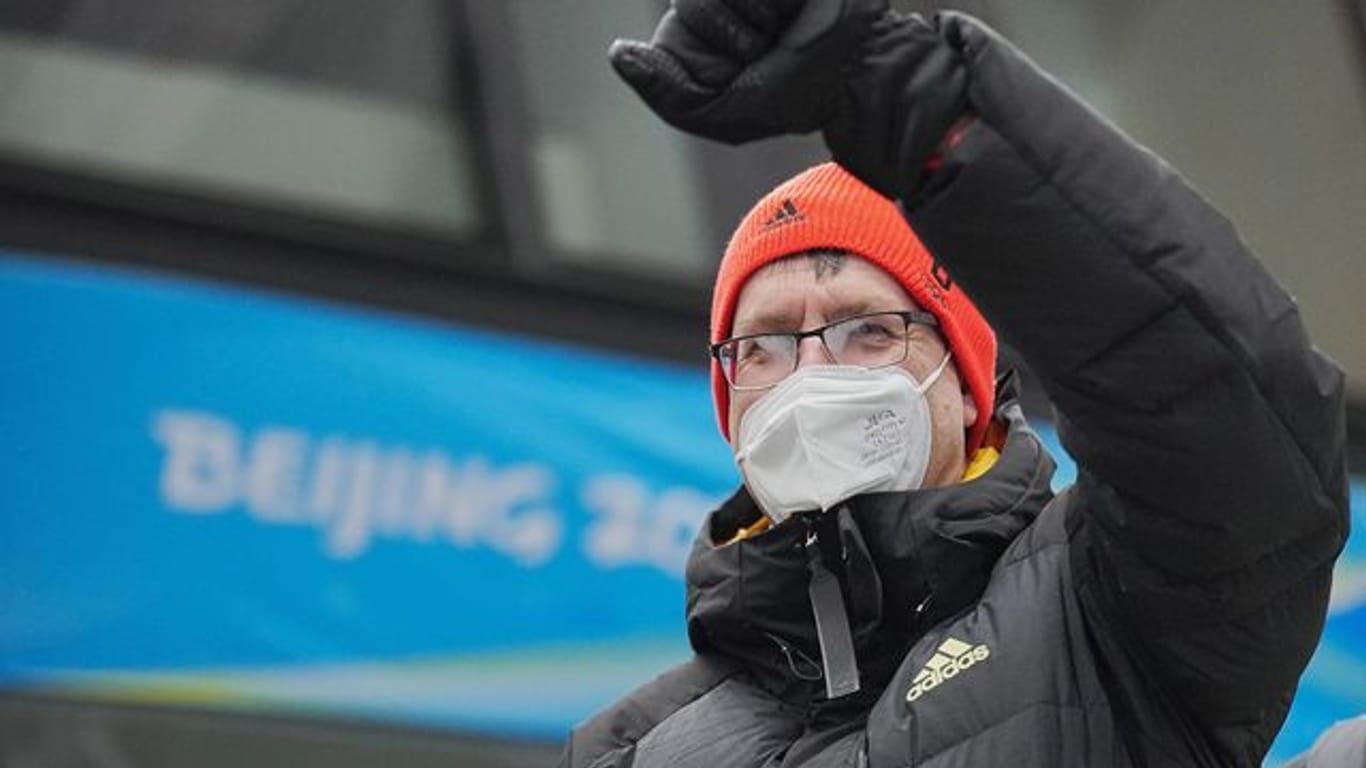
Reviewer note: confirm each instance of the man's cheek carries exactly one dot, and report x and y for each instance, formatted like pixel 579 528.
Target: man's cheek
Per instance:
pixel 739 404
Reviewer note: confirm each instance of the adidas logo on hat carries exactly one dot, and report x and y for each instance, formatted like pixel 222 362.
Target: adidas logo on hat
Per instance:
pixel 786 214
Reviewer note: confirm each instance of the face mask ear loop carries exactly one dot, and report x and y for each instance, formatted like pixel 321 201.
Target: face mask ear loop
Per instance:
pixel 934 376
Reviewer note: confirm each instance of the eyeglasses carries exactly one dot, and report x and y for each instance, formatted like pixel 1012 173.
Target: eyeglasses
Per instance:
pixel 875 340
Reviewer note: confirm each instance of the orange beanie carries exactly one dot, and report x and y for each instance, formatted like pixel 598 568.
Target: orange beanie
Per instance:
pixel 827 208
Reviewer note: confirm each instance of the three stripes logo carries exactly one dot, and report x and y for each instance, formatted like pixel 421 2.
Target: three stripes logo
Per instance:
pixel 951 659
pixel 787 214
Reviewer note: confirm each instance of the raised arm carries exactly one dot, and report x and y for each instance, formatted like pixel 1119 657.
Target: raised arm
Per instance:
pixel 1209 433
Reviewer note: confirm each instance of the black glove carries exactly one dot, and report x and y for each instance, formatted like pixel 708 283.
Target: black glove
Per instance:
pixel 883 88
pixel 740 70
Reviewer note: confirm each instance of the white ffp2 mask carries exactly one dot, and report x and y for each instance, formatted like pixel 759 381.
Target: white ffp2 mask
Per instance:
pixel 830 432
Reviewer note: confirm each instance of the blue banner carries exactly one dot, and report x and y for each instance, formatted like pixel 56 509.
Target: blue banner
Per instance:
pixel 218 496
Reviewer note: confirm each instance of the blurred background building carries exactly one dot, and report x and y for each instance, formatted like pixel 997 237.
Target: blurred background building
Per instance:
pixel 353 352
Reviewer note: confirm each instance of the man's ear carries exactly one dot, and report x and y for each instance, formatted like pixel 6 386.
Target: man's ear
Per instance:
pixel 969 411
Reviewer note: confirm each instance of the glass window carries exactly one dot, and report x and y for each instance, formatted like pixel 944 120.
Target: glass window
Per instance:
pixel 344 108
pixel 613 184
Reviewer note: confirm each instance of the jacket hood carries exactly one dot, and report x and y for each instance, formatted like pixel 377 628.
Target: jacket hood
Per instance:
pixel 905 561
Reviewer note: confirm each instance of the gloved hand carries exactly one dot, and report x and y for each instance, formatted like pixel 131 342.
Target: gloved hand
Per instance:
pixel 883 88
pixel 740 70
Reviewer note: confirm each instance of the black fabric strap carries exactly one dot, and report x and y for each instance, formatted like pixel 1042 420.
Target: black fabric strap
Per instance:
pixel 832 624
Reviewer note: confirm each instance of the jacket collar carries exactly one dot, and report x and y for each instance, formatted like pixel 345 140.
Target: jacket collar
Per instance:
pixel 905 561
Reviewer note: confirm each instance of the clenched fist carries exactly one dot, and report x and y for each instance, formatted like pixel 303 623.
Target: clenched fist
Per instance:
pixel 882 88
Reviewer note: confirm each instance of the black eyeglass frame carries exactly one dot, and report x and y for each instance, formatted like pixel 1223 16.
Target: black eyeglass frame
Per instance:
pixel 911 316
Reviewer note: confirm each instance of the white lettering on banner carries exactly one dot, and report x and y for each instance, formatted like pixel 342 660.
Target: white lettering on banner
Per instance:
pixel 355 490
pixel 200 473
pixel 634 528
pixel 270 481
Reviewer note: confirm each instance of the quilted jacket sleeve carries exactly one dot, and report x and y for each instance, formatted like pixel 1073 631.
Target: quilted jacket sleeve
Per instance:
pixel 1212 497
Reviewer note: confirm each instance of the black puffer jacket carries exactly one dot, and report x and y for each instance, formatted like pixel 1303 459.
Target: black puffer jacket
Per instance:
pixel 1156 613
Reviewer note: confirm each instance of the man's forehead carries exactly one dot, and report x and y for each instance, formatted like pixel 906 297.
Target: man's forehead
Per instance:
pixel 779 294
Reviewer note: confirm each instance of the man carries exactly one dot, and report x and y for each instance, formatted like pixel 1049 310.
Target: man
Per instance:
pixel 896 584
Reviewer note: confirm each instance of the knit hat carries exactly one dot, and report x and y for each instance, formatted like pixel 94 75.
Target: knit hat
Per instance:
pixel 827 208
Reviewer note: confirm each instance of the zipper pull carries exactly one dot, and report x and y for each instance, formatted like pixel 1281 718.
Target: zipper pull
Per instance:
pixel 796 659
pixel 838 659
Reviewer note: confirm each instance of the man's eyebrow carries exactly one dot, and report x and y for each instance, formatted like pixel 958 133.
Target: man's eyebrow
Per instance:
pixel 766 322
pixel 777 321
pixel 851 308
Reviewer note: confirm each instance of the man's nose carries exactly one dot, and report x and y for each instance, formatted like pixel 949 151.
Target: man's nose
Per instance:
pixel 811 351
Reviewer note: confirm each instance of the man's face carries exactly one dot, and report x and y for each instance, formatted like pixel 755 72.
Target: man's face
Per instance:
pixel 807 292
